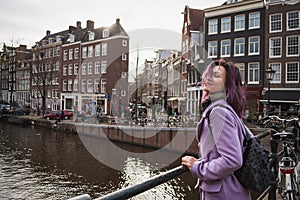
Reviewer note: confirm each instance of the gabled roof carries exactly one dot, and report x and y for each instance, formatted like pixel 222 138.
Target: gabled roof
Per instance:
pixel 81 34
pixel 196 19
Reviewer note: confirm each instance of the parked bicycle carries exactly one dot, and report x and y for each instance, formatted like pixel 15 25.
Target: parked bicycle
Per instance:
pixel 286 161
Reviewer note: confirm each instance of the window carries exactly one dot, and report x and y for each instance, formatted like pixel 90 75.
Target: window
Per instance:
pixel 213 26
pixel 124 43
pixel 254 43
pixel 103 66
pixel 293 45
pixel 83 69
pixel 254 20
pixel 212 49
pixel 70 54
pixel 90 86
pixel 84 52
pixel 123 93
pixel 70 69
pixel 239 22
pixel 75 85
pixel 76 53
pixel 65 54
pixel 96 85
pixel 106 33
pixel 83 86
pixel 239 46
pixel 292 72
pixel 253 73
pixel 275 47
pixel 76 69
pixel 90 68
pixel 103 85
pixel 70 85
pixel 124 56
pixel 293 20
pixel 54 93
pixel 225 24
pixel 97 50
pixel 91 35
pixel 104 49
pixel 65 68
pixel 241 67
pixel 64 85
pixel 124 74
pixel 90 52
pixel 97 67
pixel 277 68
pixel 225 48
pixel 275 22
pixel 57 66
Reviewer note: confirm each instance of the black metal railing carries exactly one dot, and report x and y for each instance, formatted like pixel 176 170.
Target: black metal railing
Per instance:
pixel 134 190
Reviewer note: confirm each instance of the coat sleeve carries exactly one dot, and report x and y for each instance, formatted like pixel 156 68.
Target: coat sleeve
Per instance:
pixel 226 156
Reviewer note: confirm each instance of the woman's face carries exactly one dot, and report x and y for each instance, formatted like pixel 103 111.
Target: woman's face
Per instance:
pixel 217 82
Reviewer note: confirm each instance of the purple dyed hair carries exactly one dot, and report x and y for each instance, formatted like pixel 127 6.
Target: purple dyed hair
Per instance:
pixel 235 94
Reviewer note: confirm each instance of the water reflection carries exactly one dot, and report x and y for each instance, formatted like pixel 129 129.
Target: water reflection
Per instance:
pixel 38 163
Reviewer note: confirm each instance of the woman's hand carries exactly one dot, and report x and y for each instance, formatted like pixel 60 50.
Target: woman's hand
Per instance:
pixel 188 161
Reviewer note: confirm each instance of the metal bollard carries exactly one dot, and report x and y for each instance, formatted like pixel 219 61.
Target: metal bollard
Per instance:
pixel 82 197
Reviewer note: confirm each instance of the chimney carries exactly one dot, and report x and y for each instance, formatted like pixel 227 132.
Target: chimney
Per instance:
pixel 47 33
pixel 117 21
pixel 89 24
pixel 78 24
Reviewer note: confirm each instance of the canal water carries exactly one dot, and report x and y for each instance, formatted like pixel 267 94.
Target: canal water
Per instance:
pixel 40 163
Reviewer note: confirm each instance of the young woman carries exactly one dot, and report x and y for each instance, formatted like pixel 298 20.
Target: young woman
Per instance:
pixel 221 147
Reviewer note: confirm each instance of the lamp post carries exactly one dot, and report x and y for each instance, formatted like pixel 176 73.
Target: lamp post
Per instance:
pixel 270 75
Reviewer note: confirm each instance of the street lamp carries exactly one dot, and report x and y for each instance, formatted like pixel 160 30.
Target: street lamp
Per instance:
pixel 270 75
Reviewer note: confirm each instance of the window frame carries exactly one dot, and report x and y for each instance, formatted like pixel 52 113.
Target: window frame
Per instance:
pixel 254 73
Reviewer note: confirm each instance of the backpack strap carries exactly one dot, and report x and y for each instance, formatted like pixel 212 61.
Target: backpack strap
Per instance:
pixel 244 131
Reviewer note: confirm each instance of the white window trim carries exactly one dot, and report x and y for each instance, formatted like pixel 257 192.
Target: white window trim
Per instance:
pixel 239 29
pixel 215 32
pixel 254 27
pixel 256 53
pixel 253 82
pixel 226 31
pixel 294 55
pixel 213 56
pixel 291 82
pixel 225 55
pixel 287 27
pixel 279 56
pixel 242 54
pixel 270 24
pixel 280 69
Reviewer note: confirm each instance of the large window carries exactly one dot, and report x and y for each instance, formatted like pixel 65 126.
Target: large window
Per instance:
pixel 104 49
pixel 225 24
pixel 97 67
pixel 254 20
pixel 276 22
pixel 239 46
pixel 293 20
pixel 293 45
pixel 70 69
pixel 90 68
pixel 225 48
pixel 253 73
pixel 97 50
pixel 103 85
pixel 84 52
pixel 275 47
pixel 292 72
pixel 76 53
pixel 212 49
pixel 70 87
pixel 83 69
pixel 83 86
pixel 90 52
pixel 239 23
pixel 254 43
pixel 277 68
pixel 90 86
pixel 76 69
pixel 75 85
pixel 213 26
pixel 103 66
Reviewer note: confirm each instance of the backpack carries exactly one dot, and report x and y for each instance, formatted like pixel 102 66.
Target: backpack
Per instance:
pixel 256 173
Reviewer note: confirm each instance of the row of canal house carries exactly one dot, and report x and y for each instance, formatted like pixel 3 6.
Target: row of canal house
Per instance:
pixel 254 34
pixel 76 69
pixel 89 66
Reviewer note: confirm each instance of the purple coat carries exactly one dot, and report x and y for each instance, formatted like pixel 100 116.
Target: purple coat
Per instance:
pixel 221 154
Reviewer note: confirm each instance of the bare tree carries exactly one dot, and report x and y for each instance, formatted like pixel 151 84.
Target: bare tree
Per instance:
pixel 44 69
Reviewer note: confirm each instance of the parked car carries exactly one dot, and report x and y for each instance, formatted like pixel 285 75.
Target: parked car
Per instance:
pixel 22 110
pixel 57 115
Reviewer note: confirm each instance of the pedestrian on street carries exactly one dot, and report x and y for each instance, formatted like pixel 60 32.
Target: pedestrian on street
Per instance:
pixel 221 147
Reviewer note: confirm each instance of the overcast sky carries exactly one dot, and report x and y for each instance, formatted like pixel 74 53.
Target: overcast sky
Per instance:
pixel 26 21
pixel 151 24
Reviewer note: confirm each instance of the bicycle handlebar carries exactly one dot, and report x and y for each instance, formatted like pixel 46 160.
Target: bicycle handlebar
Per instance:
pixel 283 119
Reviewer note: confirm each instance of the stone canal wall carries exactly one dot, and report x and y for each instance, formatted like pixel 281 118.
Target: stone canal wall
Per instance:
pixel 174 139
